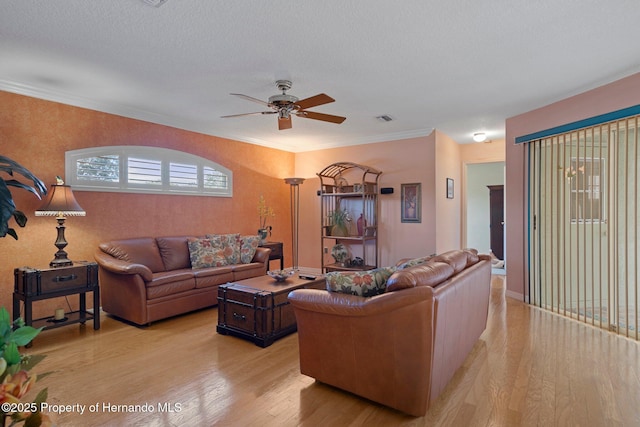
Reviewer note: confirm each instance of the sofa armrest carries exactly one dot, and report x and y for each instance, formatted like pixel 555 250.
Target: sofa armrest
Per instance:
pixel 262 256
pixel 118 266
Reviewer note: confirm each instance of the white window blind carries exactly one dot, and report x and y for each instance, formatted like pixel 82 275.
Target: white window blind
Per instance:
pixel 139 169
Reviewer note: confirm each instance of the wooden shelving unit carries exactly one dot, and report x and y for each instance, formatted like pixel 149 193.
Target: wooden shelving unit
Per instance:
pixel 354 188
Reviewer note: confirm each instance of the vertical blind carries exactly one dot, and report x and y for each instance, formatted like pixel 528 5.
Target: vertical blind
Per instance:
pixel 583 224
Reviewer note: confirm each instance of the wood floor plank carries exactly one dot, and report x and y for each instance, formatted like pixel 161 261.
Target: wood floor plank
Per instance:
pixel 530 367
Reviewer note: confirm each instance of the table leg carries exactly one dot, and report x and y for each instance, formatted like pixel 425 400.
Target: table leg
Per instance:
pixel 83 305
pixel 96 308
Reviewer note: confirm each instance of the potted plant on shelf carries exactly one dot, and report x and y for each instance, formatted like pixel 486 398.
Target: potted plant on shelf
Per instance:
pixel 264 212
pixel 7 206
pixel 339 219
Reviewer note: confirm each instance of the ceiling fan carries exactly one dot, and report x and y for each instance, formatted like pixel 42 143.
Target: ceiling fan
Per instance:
pixel 287 105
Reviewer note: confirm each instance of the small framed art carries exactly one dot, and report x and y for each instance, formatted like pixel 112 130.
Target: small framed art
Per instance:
pixel 449 188
pixel 411 195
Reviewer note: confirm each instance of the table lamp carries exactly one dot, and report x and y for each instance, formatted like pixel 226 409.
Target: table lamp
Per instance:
pixel 60 203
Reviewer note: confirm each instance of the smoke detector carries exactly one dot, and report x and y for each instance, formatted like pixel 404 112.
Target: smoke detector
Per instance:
pixel 154 3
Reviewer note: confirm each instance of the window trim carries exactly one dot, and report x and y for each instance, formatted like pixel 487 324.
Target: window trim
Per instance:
pixel 164 155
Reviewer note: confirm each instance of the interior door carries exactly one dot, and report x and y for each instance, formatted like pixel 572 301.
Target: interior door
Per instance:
pixel 496 219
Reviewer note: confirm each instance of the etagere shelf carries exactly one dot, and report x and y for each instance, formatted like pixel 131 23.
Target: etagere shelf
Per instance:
pixel 360 201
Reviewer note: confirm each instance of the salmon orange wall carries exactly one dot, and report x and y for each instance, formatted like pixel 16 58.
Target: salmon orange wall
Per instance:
pixel 36 134
pixel 448 165
pixel 402 161
pixel 620 94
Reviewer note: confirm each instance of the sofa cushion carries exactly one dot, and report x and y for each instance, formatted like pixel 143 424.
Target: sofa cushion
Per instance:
pixel 414 262
pixel 430 273
pixel 143 250
pixel 174 252
pixel 203 253
pixel 472 256
pixel 230 245
pixel 456 259
pixel 248 246
pixel 362 283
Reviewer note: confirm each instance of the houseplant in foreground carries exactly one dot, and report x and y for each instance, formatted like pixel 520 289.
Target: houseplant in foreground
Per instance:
pixel 15 378
pixel 7 206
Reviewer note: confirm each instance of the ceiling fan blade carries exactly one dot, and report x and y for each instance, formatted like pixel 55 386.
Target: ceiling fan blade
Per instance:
pixel 320 116
pixel 248 114
pixel 250 98
pixel 314 101
pixel 284 123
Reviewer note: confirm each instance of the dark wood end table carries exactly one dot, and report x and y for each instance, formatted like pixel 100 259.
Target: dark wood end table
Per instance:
pixel 276 251
pixel 32 284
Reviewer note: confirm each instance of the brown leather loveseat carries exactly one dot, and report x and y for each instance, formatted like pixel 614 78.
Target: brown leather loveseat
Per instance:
pixel 402 347
pixel 147 279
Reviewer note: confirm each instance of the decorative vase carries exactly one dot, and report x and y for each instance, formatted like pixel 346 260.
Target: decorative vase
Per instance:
pixel 340 253
pixel 362 224
pixel 339 230
pixel 263 233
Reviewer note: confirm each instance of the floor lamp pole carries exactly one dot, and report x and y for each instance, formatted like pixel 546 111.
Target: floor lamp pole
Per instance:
pixel 294 184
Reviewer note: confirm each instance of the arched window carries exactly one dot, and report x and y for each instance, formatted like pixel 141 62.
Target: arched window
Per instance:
pixel 138 169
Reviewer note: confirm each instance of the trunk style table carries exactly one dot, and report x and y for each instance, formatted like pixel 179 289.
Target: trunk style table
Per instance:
pixel 257 309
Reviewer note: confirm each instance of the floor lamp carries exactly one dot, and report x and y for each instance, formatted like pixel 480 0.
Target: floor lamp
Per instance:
pixel 294 184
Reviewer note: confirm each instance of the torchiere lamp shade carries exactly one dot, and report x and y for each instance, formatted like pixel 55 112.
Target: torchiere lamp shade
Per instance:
pixel 60 202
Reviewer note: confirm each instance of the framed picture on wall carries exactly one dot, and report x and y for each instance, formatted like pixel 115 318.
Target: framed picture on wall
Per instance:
pixel 449 188
pixel 411 202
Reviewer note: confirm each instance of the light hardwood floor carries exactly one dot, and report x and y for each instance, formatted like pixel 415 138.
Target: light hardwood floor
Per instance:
pixel 529 368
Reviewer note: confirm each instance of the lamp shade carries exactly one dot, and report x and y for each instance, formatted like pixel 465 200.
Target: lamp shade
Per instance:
pixel 60 202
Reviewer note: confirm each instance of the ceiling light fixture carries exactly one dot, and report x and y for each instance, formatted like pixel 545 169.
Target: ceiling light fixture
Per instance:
pixel 384 118
pixel 479 137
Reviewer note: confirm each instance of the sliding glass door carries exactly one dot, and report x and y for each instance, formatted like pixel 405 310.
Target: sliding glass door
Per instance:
pixel 583 224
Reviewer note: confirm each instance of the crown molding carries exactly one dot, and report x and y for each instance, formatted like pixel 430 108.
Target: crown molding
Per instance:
pixel 148 116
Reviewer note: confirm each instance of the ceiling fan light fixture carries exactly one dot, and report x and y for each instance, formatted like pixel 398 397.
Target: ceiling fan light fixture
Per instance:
pixel 479 137
pixel 283 113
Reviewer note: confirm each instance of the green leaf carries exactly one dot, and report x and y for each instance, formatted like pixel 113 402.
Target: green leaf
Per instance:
pixel 20 218
pixel 4 316
pixel 41 397
pixel 11 354
pixel 24 335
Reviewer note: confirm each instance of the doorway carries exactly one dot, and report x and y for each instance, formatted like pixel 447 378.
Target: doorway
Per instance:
pixel 496 220
pixel 479 176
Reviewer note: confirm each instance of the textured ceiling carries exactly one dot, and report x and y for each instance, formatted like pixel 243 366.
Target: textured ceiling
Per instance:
pixel 460 66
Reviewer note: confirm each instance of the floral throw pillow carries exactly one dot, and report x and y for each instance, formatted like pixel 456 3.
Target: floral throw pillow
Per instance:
pixel 362 283
pixel 248 246
pixel 414 262
pixel 230 245
pixel 204 254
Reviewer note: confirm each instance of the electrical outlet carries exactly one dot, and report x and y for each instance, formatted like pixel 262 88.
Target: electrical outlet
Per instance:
pixel 326 250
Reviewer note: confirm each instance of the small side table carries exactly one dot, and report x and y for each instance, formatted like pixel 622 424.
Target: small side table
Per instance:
pixel 276 251
pixel 33 284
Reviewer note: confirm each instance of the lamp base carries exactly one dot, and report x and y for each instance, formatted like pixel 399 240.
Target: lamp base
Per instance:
pixel 60 263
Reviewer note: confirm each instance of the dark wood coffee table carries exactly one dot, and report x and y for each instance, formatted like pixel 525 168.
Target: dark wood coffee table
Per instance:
pixel 257 309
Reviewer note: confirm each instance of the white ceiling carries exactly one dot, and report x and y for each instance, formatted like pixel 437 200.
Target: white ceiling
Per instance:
pixel 460 66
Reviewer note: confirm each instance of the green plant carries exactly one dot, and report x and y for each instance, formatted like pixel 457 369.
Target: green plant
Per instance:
pixel 340 217
pixel 15 379
pixel 7 206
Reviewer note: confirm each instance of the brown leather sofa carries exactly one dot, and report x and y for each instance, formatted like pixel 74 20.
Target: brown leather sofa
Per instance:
pixel 400 348
pixel 147 279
